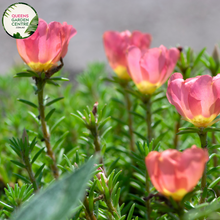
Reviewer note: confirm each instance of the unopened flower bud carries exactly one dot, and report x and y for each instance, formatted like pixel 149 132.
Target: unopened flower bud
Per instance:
pixel 94 110
pixel 24 136
pixel 180 49
pixel 103 174
pixel 215 54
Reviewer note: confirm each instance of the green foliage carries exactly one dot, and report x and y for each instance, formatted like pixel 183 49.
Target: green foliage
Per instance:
pixel 69 190
pixel 189 62
pixel 122 181
pixel 23 149
pixel 16 197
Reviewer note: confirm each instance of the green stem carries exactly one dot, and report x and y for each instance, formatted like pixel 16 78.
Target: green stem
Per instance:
pixel 95 133
pixel 147 187
pixel 203 140
pixel 176 137
pixel 96 140
pixel 30 173
pixel 180 212
pixel 130 120
pixel 89 214
pixel 111 208
pixel 215 158
pixel 40 84
pixel 148 119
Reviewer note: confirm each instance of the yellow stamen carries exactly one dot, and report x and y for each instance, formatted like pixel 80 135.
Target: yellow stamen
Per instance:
pixel 178 195
pixel 201 121
pixel 146 87
pixel 122 73
pixel 39 67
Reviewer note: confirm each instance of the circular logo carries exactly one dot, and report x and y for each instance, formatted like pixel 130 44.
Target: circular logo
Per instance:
pixel 20 20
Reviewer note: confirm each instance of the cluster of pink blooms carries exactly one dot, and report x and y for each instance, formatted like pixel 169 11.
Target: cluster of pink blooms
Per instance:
pixel 196 99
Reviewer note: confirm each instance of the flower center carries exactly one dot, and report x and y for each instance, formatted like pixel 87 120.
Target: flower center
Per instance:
pixel 178 195
pixel 39 67
pixel 146 87
pixel 201 121
pixel 122 73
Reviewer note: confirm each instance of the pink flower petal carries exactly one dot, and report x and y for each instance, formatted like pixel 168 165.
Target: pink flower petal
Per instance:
pixel 151 162
pixel 174 173
pixel 67 32
pixel 153 61
pixel 115 45
pixel 202 90
pixel 168 162
pixel 133 59
pixel 49 42
pixel 140 40
pixel 192 164
pixel 174 94
pixel 172 58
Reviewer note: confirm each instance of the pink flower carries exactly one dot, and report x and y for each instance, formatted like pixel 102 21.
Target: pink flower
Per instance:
pixel 42 50
pixel 174 173
pixel 116 43
pixel 150 69
pixel 196 99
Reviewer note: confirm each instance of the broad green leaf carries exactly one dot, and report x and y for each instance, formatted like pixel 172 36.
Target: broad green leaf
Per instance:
pixel 58 200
